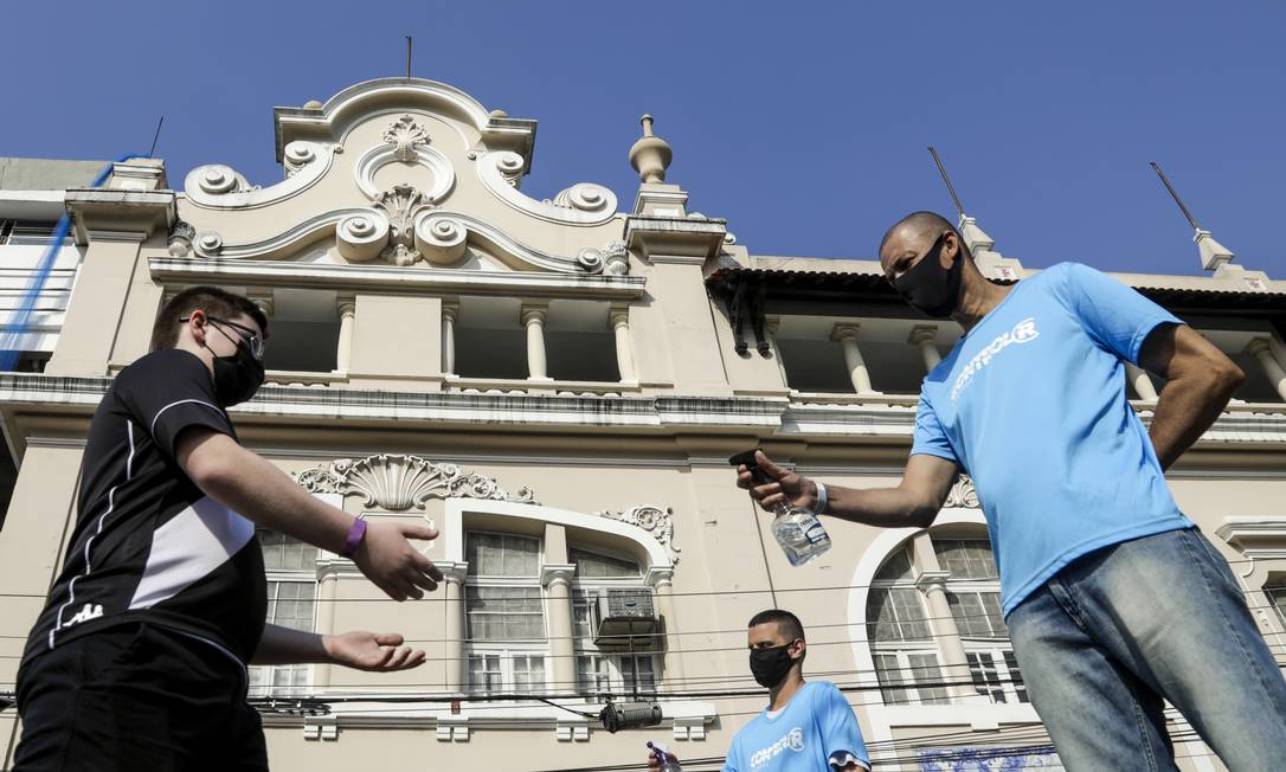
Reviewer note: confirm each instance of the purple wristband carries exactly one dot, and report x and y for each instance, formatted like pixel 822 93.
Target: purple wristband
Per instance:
pixel 356 532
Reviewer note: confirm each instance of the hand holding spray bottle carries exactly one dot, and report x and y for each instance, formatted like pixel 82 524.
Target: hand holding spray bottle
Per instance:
pixel 800 534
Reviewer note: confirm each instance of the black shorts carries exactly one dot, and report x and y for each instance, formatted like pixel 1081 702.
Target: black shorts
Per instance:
pixel 136 697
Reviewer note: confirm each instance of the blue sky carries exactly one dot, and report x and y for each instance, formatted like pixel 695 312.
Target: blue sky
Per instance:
pixel 804 124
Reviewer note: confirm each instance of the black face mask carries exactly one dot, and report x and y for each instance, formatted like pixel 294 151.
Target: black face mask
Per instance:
pixel 930 287
pixel 237 377
pixel 770 666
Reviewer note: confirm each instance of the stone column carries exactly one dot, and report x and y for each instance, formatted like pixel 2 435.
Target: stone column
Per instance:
pixel 533 318
pixel 1141 382
pixel 347 307
pixel 450 312
pixel 454 629
pixel 922 337
pixel 557 579
pixel 771 325
pixel 846 334
pixel 1261 349
pixel 932 581
pixel 662 580
pixel 619 320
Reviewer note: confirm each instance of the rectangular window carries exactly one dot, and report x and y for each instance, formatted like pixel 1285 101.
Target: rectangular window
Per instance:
pixel 1277 599
pixel 1016 677
pixel 966 558
pixel 485 675
pixel 291 570
pixel 977 614
pixel 982 670
pixel 583 616
pixel 910 677
pixel 529 673
pixel 897 614
pixel 617 674
pixel 507 614
pixel 503 554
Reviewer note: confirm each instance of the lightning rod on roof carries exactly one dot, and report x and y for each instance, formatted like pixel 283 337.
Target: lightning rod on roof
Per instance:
pixel 946 178
pixel 1175 195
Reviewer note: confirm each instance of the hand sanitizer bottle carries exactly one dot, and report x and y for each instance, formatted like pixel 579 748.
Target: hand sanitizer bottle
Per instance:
pixel 799 532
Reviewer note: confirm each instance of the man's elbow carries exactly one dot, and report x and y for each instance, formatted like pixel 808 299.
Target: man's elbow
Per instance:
pixel 922 515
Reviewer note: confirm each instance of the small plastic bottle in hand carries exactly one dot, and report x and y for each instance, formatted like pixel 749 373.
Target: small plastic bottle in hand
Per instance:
pixel 799 532
pixel 666 761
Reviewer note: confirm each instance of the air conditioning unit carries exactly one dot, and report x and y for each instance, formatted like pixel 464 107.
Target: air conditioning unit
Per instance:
pixel 626 619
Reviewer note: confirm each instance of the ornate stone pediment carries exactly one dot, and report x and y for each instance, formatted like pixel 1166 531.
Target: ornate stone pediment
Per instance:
pixel 655 520
pixel 962 494
pixel 399 482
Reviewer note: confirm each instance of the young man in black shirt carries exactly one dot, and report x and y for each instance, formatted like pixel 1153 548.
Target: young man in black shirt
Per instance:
pixel 138 661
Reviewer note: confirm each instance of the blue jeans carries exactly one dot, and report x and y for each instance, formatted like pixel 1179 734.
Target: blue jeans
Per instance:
pixel 1117 631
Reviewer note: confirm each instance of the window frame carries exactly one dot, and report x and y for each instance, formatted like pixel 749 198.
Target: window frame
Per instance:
pixel 274 579
pixel 507 652
pixel 609 666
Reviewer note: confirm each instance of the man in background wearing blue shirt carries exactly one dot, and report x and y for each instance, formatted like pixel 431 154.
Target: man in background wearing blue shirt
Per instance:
pixel 1114 600
pixel 807 727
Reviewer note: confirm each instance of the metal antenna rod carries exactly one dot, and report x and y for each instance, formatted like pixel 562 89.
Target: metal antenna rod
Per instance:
pixel 408 57
pixel 152 153
pixel 1191 220
pixel 946 178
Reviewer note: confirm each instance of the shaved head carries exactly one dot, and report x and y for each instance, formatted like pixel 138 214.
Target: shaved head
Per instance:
pixel 914 235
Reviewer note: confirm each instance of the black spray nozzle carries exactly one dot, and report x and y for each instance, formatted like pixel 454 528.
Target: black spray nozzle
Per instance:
pixel 748 459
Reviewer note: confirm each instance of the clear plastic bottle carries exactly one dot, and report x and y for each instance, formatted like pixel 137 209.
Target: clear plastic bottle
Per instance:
pixel 799 532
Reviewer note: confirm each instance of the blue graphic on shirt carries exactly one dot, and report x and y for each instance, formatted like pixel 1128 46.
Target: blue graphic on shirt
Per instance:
pixel 815 726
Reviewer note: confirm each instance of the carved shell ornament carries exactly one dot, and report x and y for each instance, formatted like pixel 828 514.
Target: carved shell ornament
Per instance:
pixel 656 521
pixel 404 135
pixel 398 483
pixel 962 494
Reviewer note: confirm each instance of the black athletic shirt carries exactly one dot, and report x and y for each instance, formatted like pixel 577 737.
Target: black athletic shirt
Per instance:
pixel 148 544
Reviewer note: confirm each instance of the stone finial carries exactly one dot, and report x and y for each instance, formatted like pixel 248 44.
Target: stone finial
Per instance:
pixel 650 155
pixel 312 104
pixel 1213 254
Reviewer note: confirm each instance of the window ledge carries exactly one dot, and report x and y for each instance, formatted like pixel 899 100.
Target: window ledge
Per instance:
pixel 523 385
pixel 303 378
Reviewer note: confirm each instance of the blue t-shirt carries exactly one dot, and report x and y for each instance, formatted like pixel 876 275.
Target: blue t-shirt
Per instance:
pixel 816 726
pixel 1031 404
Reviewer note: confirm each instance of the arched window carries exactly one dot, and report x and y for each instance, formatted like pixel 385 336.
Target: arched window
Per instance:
pixel 902 645
pixel 913 646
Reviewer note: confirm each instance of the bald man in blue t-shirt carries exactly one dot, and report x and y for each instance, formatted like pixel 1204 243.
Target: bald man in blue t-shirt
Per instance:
pixel 1114 600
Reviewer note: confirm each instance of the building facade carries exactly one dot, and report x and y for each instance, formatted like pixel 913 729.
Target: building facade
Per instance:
pixel 557 385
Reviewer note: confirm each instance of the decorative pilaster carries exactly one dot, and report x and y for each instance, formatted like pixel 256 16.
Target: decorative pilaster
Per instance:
pixel 1141 382
pixel 661 579
pixel 326 593
pixel 955 663
pixel 619 320
pixel 450 312
pixel 347 307
pixel 846 334
pixel 1261 349
pixel 453 574
pixel 533 318
pixel 557 579
pixel 923 337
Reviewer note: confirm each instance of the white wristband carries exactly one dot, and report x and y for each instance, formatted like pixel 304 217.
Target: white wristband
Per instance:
pixel 822 499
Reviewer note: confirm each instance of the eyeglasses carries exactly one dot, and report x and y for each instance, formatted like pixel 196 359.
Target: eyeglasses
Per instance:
pixel 252 338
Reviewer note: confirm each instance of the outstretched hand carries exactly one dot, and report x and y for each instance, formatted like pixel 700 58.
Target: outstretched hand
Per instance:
pixel 388 559
pixel 374 652
pixel 785 486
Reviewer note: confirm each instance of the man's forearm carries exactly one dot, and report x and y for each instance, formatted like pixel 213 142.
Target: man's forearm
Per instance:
pixel 284 646
pixel 880 507
pixel 1186 409
pixel 257 490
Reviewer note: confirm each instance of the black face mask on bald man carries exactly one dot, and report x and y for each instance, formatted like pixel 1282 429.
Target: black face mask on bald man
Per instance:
pixel 930 287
